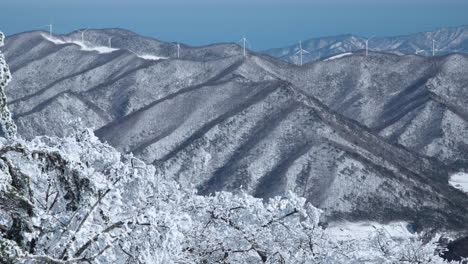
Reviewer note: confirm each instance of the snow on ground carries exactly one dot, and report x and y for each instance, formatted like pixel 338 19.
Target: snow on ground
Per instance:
pixel 460 181
pixel 150 57
pixel 84 46
pixel 100 49
pixel 361 230
pixel 336 45
pixel 339 56
pixel 54 40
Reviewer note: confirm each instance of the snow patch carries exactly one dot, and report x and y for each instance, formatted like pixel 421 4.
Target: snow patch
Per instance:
pixel 151 57
pixel 396 45
pixel 336 45
pixel 54 40
pixel 99 49
pixel 83 46
pixel 339 56
pixel 460 181
pixel 360 230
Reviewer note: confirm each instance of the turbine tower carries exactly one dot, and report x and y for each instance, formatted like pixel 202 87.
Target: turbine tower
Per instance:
pixel 110 42
pixel 82 34
pixel 367 45
pixel 244 42
pixel 301 51
pixel 178 50
pixel 433 47
pixel 50 26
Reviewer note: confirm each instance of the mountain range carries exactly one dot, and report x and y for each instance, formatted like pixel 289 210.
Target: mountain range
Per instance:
pixel 362 137
pixel 446 40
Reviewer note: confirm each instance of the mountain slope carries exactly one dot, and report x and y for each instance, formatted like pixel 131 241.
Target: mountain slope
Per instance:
pixel 235 122
pixel 447 40
pixel 424 110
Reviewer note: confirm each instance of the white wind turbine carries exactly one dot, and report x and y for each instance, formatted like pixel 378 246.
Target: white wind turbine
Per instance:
pixel 82 34
pixel 244 43
pixel 301 51
pixel 367 45
pixel 433 47
pixel 178 50
pixel 110 42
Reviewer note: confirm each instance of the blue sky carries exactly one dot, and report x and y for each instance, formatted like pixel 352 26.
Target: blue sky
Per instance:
pixel 266 23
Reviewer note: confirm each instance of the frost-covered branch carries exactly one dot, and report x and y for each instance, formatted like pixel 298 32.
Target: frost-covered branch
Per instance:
pixel 7 126
pixel 121 213
pixel 50 260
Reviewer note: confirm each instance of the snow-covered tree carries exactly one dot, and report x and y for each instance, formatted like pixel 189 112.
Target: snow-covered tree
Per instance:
pixel 78 200
pixel 7 126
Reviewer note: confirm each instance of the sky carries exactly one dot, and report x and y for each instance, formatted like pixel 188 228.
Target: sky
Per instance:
pixel 266 23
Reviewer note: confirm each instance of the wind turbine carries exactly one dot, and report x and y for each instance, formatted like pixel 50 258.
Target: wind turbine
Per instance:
pixel 433 47
pixel 82 34
pixel 301 51
pixel 110 42
pixel 367 45
pixel 244 42
pixel 178 50
pixel 50 26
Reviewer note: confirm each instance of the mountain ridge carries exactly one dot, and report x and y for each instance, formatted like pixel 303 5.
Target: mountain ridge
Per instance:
pixel 455 39
pixel 255 123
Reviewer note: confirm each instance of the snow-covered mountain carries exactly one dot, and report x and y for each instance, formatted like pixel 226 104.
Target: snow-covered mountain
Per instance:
pixel 447 40
pixel 77 200
pixel 350 134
